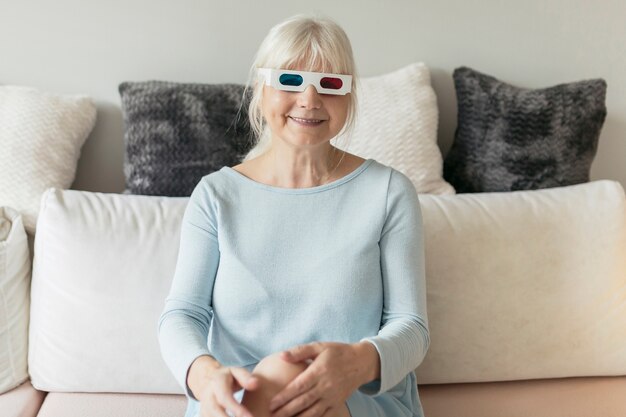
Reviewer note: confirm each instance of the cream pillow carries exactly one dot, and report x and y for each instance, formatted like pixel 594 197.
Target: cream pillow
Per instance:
pixel 526 284
pixel 397 125
pixel 103 267
pixel 14 299
pixel 41 136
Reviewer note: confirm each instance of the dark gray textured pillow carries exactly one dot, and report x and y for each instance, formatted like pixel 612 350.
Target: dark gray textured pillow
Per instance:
pixel 509 138
pixel 175 133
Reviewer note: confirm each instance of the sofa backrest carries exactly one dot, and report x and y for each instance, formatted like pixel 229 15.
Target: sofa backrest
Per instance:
pixel 528 284
pixel 102 268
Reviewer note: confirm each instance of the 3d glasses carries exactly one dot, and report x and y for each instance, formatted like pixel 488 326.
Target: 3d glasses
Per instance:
pixel 291 80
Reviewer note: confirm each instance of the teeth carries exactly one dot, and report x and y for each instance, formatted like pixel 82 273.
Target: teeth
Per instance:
pixel 306 120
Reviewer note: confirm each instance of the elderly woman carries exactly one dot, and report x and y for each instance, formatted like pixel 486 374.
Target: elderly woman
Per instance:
pixel 299 286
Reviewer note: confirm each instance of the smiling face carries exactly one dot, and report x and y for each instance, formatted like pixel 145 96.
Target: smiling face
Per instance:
pixel 305 118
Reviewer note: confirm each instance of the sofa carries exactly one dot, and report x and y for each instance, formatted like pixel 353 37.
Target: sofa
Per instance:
pixel 526 294
pixel 526 289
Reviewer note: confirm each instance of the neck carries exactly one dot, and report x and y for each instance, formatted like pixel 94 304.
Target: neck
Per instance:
pixel 296 168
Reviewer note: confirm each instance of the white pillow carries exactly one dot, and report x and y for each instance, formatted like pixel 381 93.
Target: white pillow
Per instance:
pixel 41 136
pixel 14 300
pixel 103 266
pixel 526 284
pixel 397 125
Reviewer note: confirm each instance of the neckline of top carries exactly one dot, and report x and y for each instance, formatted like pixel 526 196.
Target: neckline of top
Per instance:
pixel 306 190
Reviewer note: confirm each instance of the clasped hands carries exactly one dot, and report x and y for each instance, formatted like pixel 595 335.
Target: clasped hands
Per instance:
pixel 334 372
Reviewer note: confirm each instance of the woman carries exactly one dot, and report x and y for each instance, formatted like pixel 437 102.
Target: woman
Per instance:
pixel 304 264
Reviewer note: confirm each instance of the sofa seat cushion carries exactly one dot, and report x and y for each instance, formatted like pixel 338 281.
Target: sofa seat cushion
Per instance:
pixel 558 397
pixel 21 401
pixel 70 404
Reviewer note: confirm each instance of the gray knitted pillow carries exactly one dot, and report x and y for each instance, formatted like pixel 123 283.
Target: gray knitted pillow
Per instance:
pixel 176 133
pixel 509 138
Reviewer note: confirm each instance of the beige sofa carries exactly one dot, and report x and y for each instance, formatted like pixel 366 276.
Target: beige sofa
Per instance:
pixel 526 301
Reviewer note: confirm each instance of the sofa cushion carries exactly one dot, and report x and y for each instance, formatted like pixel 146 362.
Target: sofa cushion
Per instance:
pixel 526 284
pixel 511 138
pixel 397 125
pixel 103 266
pixel 14 299
pixel 21 401
pixel 559 397
pixel 177 132
pixel 41 135
pixel 62 404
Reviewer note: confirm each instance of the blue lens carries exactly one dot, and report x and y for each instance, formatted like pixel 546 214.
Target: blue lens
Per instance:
pixel 290 79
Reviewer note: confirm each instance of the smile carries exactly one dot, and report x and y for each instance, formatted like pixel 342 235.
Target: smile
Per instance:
pixel 306 122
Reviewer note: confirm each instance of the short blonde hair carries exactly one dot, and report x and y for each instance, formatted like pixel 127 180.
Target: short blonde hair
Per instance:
pixel 317 43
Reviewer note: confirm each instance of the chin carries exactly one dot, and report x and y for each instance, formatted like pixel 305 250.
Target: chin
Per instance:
pixel 306 140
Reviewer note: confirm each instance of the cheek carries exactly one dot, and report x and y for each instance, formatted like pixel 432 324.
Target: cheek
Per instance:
pixel 274 107
pixel 341 110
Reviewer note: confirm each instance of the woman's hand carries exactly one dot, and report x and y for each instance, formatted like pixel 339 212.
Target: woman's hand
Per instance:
pixel 216 395
pixel 336 371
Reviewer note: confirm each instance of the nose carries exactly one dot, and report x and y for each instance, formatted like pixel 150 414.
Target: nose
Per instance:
pixel 309 98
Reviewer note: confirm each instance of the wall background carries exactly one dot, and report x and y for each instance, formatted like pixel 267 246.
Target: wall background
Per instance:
pixel 89 47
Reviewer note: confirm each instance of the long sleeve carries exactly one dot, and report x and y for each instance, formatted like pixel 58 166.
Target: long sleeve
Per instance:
pixel 184 323
pixel 403 339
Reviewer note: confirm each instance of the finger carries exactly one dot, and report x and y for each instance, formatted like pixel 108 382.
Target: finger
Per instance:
pixel 212 409
pixel 330 411
pixel 224 397
pixel 229 402
pixel 302 352
pixel 301 385
pixel 316 410
pixel 245 379
pixel 296 406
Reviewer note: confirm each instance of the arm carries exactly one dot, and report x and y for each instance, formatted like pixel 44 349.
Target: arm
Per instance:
pixel 403 339
pixel 184 322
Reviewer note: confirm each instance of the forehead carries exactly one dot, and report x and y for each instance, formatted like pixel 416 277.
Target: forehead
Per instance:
pixel 310 64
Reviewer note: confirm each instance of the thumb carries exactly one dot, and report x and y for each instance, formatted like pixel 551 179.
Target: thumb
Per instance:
pixel 302 352
pixel 245 379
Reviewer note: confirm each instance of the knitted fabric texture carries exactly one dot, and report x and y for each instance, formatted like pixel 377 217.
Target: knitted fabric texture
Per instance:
pixel 397 125
pixel 175 133
pixel 509 138
pixel 41 135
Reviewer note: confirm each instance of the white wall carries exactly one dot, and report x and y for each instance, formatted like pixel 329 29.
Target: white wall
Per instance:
pixel 89 47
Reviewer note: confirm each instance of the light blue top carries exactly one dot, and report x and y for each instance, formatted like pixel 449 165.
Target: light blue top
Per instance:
pixel 262 268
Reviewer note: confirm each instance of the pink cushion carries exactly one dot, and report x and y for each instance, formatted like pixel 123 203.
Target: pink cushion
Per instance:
pixel 63 404
pixel 558 397
pixel 21 401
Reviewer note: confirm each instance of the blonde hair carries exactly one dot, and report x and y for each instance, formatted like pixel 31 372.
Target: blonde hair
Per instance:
pixel 317 43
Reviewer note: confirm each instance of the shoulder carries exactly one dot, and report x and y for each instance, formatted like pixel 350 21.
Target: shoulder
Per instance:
pixel 401 193
pixel 212 182
pixel 397 181
pixel 208 189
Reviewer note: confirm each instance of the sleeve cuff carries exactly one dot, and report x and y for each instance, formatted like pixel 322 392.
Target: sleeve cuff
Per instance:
pixel 188 392
pixel 373 387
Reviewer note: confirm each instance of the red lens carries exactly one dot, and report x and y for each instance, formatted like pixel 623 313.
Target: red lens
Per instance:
pixel 331 83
